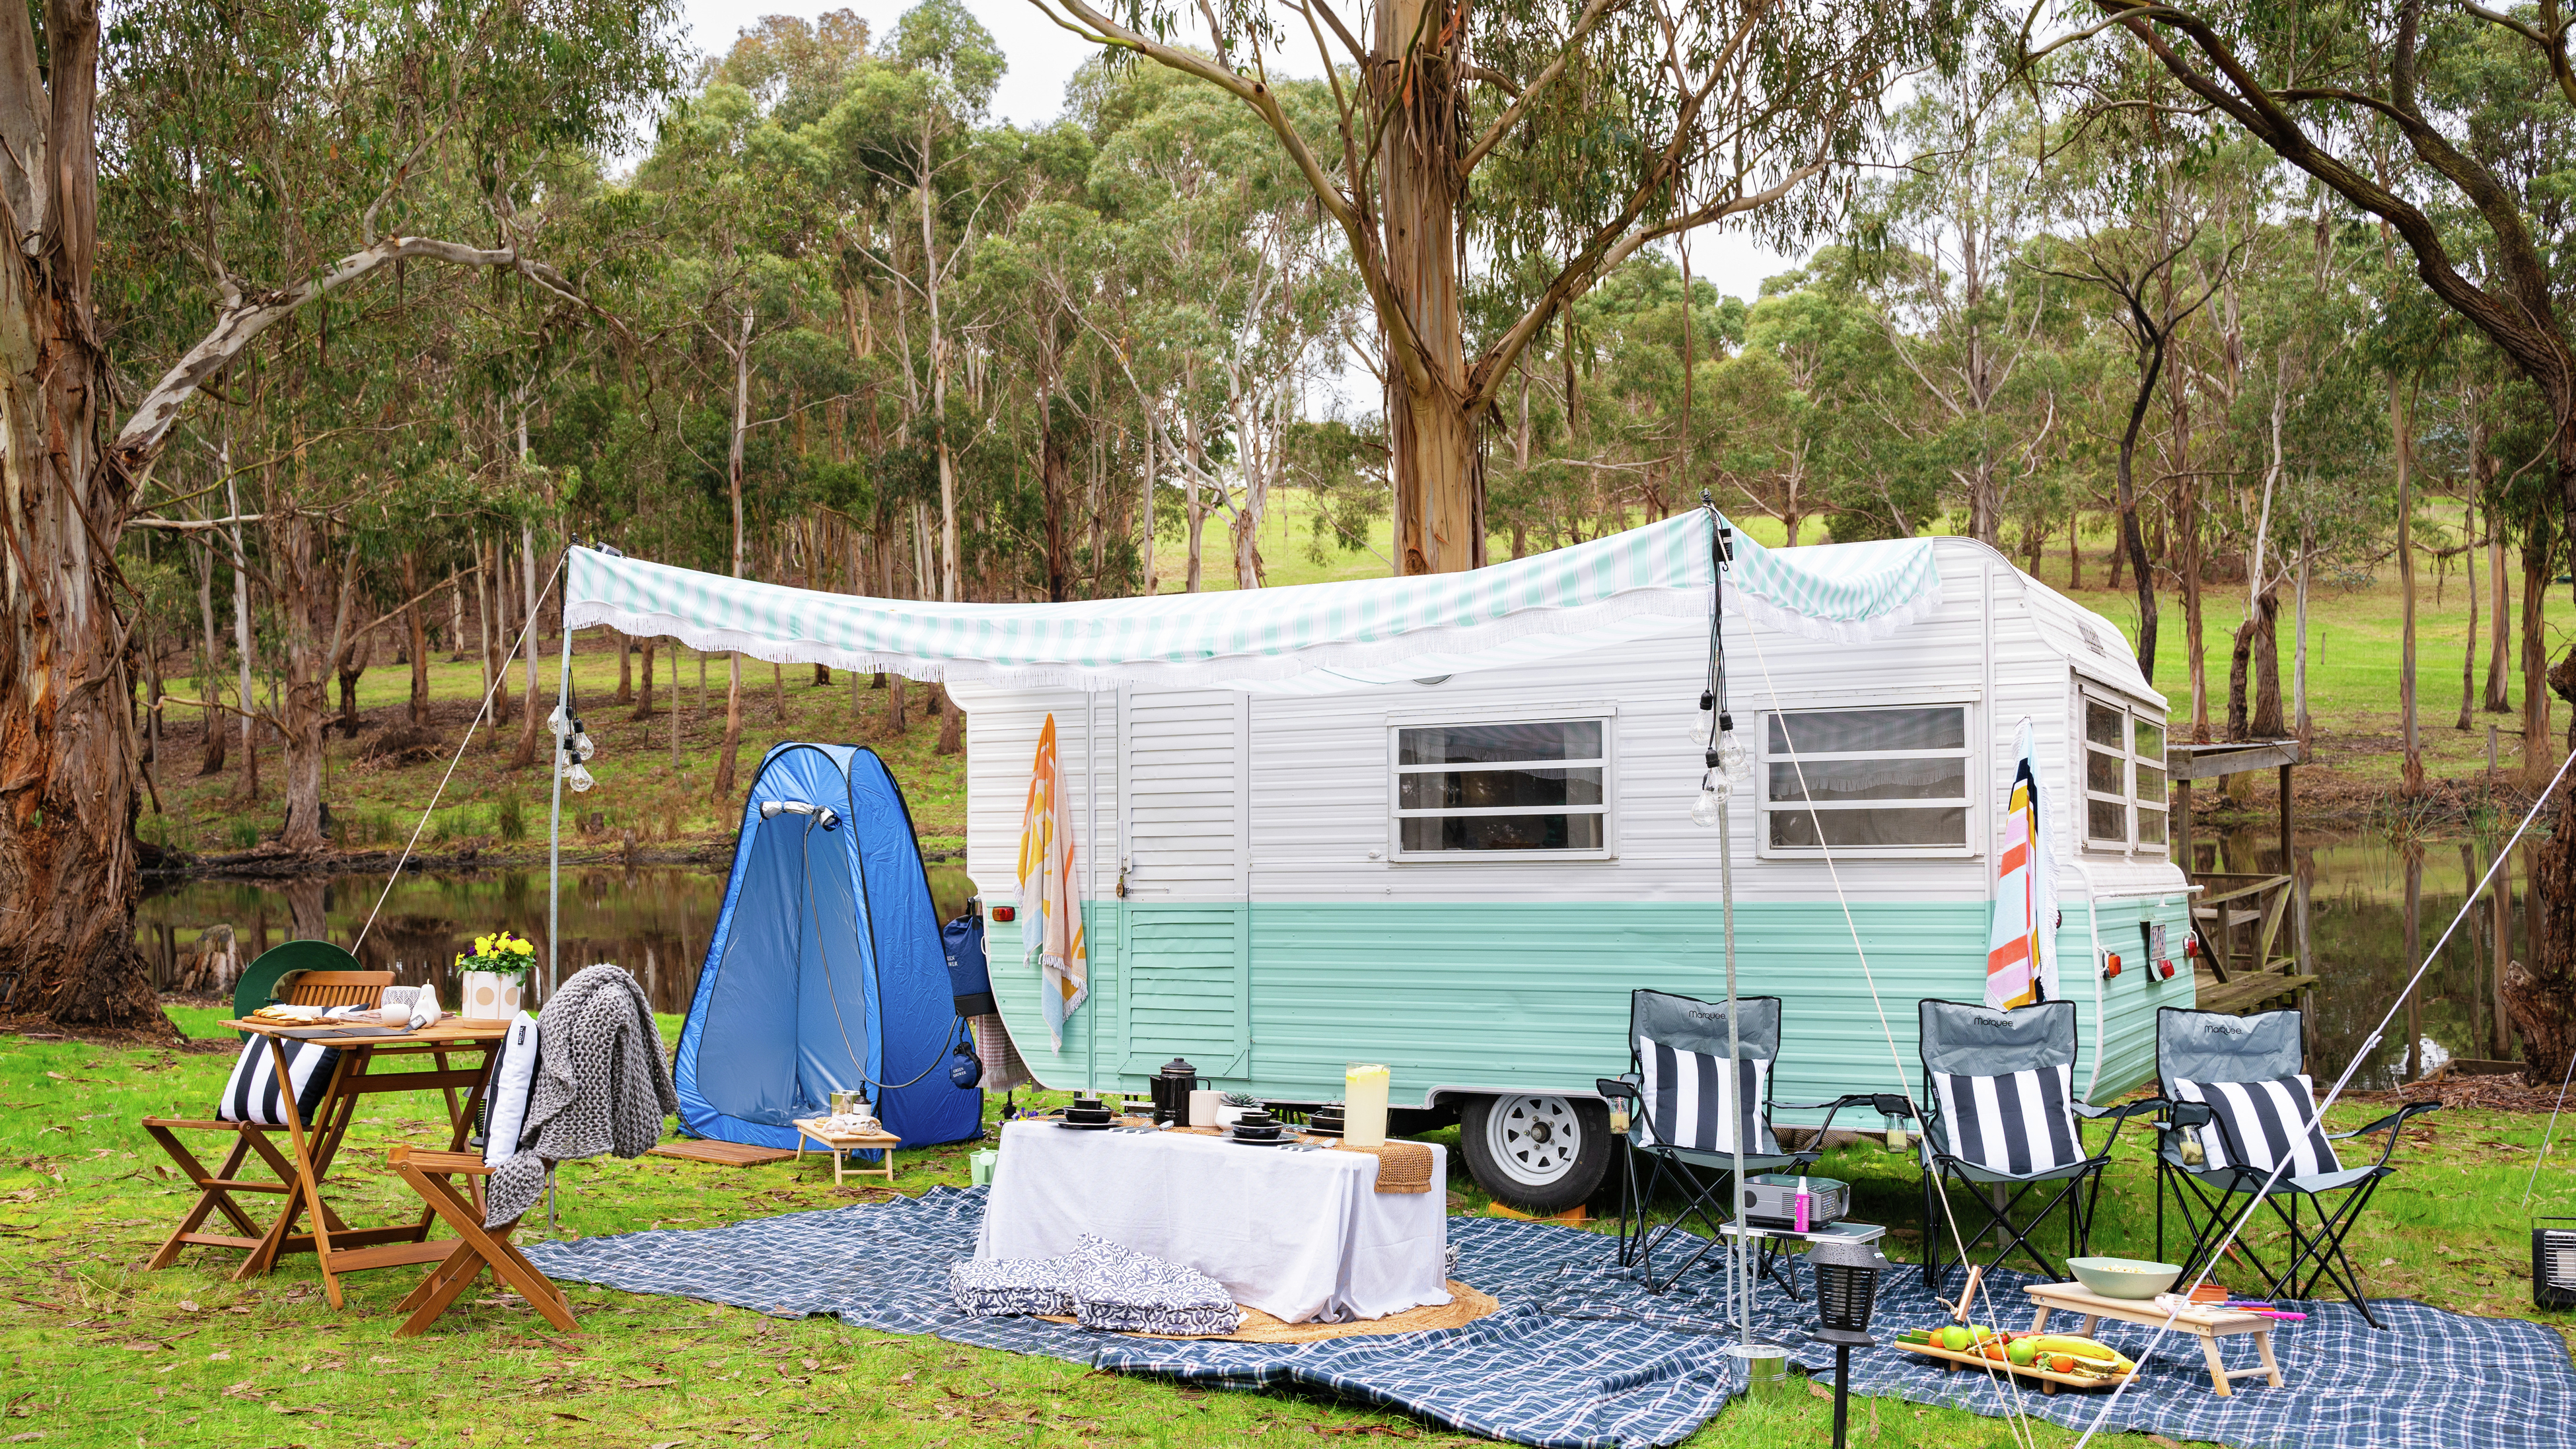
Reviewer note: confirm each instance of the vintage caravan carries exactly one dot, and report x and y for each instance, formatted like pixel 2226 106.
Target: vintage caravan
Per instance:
pixel 1445 824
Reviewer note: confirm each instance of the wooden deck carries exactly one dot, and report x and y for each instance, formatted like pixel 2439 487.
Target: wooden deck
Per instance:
pixel 2247 991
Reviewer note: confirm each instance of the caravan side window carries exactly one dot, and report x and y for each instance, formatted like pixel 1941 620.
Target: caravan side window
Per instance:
pixel 1529 786
pixel 2124 776
pixel 1881 781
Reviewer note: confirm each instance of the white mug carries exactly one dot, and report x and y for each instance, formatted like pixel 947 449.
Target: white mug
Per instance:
pixel 1204 1106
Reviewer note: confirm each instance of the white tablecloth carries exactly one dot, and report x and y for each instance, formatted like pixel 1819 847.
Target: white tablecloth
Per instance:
pixel 1303 1236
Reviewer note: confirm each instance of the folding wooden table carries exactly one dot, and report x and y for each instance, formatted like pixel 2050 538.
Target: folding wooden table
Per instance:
pixel 337 1246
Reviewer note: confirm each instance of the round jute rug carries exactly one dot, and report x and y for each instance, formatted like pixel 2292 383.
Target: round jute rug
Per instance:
pixel 1465 1306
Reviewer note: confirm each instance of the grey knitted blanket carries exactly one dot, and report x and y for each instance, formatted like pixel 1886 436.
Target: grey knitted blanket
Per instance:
pixel 601 1086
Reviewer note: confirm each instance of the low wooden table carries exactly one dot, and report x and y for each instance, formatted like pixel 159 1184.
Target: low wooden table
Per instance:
pixel 2209 1325
pixel 335 1245
pixel 841 1144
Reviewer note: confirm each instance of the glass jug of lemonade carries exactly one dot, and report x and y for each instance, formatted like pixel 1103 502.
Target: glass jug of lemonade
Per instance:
pixel 1364 1087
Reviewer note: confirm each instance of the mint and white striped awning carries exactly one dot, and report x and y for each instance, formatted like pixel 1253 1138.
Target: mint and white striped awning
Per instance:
pixel 1299 637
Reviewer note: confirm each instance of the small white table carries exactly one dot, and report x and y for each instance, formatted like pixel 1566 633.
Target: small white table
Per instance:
pixel 1301 1235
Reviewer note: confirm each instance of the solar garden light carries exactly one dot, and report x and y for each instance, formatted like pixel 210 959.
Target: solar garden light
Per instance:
pixel 1846 1291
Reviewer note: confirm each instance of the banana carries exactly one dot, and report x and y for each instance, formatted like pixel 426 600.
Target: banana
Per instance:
pixel 2089 1355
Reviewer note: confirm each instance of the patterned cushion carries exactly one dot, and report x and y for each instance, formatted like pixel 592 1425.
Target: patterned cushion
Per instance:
pixel 1693 1101
pixel 2019 1125
pixel 1123 1291
pixel 996 1287
pixel 251 1094
pixel 2257 1125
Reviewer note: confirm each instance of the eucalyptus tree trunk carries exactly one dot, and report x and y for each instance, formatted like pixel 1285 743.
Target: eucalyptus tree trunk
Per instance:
pixel 1432 435
pixel 68 767
pixel 416 630
pixel 212 691
pixel 733 484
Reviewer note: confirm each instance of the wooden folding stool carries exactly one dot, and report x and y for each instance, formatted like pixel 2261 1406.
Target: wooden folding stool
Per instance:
pixel 476 1247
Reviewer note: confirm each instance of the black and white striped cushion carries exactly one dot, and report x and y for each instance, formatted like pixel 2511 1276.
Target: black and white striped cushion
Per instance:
pixel 251 1093
pixel 2021 1124
pixel 2264 1120
pixel 1691 1103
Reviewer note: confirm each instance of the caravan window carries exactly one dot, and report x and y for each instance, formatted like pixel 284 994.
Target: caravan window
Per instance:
pixel 2124 776
pixel 1524 785
pixel 1881 781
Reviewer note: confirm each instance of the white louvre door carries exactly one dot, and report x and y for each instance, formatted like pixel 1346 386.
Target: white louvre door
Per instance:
pixel 1188 940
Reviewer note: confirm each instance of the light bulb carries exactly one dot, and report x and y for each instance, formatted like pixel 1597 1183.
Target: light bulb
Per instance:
pixel 582 748
pixel 578 778
pixel 556 719
pixel 1732 761
pixel 1706 809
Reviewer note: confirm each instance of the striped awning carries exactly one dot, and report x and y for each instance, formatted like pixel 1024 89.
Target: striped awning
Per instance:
pixel 1295 636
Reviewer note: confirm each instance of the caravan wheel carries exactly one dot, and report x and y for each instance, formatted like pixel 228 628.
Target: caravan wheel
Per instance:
pixel 1539 1154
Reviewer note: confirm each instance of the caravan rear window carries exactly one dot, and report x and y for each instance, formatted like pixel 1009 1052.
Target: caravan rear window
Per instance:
pixel 1521 785
pixel 1878 781
pixel 2124 776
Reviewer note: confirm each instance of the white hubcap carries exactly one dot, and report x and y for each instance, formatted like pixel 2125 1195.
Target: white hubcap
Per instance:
pixel 1535 1140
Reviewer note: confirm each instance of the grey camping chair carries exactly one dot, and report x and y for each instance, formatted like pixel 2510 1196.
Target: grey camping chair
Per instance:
pixel 2002 1124
pixel 1679 1123
pixel 2236 1106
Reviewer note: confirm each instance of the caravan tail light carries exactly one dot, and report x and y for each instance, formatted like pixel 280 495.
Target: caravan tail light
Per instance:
pixel 1006 913
pixel 2110 965
pixel 2191 944
pixel 2165 969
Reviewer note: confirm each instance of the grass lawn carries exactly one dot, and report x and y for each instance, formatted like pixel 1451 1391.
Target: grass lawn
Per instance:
pixel 99 1352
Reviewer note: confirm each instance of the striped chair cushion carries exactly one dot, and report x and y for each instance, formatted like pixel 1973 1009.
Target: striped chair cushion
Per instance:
pixel 2021 1124
pixel 1690 1102
pixel 2258 1125
pixel 251 1094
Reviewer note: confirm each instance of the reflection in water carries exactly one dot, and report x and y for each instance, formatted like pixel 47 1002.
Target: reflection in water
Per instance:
pixel 653 920
pixel 2357 924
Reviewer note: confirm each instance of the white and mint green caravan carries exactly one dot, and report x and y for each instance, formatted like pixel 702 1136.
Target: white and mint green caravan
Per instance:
pixel 1444 823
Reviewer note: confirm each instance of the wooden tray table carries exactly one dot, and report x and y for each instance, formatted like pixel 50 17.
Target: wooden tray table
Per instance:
pixel 842 1144
pixel 2209 1325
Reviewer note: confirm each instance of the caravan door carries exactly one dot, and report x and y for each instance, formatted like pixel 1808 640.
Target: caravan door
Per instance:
pixel 1187 948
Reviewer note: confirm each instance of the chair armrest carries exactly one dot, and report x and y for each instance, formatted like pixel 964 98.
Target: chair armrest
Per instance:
pixel 2188 1114
pixel 2388 1124
pixel 1619 1087
pixel 2122 1112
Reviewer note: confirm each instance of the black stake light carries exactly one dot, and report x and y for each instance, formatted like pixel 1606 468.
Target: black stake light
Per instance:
pixel 1846 1292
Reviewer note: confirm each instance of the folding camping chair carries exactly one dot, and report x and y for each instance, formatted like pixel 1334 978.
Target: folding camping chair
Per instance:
pixel 2234 1090
pixel 251 1128
pixel 2001 1122
pixel 1681 1125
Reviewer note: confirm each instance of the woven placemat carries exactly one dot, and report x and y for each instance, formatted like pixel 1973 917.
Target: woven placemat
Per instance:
pixel 1401 1166
pixel 1465 1306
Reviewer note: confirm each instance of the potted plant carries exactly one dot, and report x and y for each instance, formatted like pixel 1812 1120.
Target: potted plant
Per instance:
pixel 495 976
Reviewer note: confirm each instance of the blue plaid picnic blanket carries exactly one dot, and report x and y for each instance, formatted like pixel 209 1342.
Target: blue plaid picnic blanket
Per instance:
pixel 1579 1355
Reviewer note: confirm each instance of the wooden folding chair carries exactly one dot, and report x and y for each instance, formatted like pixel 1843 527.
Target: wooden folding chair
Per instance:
pixel 477 1247
pixel 215 1189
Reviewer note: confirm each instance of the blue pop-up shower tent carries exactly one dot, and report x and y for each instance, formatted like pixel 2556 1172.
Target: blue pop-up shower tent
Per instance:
pixel 826 972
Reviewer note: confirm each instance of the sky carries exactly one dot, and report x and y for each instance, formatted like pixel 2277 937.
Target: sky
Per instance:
pixel 1043 58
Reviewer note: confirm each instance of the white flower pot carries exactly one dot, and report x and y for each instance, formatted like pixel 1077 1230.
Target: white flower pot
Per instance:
pixel 490 997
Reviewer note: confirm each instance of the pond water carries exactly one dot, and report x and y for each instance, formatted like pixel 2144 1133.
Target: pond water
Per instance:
pixel 655 921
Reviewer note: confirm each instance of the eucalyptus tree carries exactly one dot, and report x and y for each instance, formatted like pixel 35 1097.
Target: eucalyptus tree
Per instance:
pixel 1566 137
pixel 1800 392
pixel 2465 92
pixel 286 156
pixel 1960 313
pixel 901 138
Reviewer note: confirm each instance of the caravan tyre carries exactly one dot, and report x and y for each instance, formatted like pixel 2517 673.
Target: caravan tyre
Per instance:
pixel 1539 1154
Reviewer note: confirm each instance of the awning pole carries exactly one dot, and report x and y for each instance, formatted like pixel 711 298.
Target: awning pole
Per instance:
pixel 554 823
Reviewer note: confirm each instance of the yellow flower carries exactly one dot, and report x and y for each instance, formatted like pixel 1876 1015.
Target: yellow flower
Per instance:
pixel 482 945
pixel 524 948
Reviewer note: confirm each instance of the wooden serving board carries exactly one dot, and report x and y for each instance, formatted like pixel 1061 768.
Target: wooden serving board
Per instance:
pixel 2049 1380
